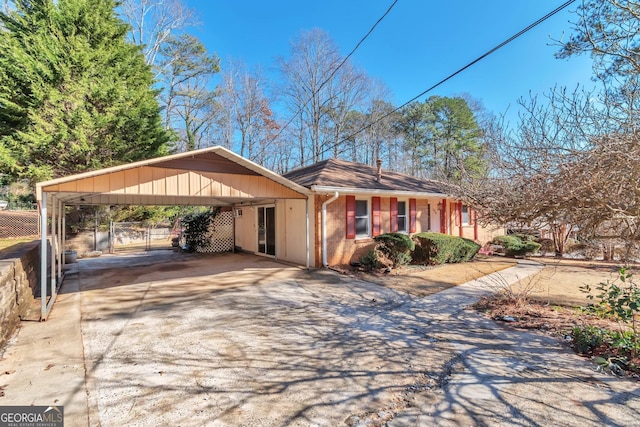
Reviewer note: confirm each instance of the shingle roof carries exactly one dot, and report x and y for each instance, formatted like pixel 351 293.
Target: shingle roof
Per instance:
pixel 342 174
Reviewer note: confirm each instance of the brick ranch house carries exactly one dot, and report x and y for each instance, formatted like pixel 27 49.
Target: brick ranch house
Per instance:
pixel 354 202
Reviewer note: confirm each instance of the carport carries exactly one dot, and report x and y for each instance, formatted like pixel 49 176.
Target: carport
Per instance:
pixel 214 177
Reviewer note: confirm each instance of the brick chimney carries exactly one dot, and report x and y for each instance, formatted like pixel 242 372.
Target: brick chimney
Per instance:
pixel 379 172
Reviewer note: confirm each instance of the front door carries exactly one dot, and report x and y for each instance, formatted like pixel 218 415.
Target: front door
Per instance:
pixel 267 230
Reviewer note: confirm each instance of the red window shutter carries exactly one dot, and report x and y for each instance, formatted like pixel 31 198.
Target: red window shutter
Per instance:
pixel 351 217
pixel 472 216
pixel 443 217
pixel 375 216
pixel 412 215
pixel 393 202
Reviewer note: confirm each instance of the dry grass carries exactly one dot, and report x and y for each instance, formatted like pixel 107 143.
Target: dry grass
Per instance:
pixel 560 281
pixel 422 281
pixel 6 245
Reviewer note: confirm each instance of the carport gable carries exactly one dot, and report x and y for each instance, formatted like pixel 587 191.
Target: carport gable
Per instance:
pixel 209 177
pixel 213 176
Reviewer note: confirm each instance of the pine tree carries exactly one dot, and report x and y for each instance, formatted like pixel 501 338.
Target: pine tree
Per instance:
pixel 74 94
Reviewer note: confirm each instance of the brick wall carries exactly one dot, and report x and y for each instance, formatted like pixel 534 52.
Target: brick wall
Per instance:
pixel 19 273
pixel 342 251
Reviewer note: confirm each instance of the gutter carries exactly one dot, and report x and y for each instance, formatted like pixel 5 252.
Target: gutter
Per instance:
pixel 383 193
pixel 324 228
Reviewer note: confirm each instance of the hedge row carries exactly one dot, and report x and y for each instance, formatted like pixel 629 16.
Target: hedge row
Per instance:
pixel 424 248
pixel 517 246
pixel 436 248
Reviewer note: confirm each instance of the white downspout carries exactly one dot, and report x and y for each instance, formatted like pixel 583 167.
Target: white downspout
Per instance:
pixel 324 228
pixel 306 214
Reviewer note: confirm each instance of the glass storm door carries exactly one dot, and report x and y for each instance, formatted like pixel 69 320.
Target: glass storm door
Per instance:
pixel 267 230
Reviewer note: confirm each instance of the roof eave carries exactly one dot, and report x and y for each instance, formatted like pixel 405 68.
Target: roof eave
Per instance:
pixel 376 192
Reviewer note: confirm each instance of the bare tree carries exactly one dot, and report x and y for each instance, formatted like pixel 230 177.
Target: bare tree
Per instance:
pixel 192 115
pixel 319 93
pixel 186 69
pixel 608 30
pixel 245 109
pixel 572 165
pixel 154 22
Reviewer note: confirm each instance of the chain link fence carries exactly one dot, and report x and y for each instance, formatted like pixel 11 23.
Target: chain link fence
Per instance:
pixel 138 236
pixel 16 224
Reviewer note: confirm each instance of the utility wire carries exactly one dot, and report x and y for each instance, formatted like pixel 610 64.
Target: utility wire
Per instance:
pixel 293 116
pixel 450 76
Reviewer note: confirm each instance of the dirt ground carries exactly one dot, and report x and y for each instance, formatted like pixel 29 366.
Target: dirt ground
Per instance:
pixel 548 301
pixel 421 281
pixel 558 283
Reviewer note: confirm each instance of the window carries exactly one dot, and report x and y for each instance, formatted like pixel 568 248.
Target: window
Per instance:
pixel 466 218
pixel 402 217
pixel 362 218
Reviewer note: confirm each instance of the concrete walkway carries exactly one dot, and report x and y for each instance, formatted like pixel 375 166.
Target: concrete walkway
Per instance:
pixel 196 342
pixel 44 364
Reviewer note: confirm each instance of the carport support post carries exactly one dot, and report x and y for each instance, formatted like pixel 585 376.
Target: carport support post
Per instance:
pixel 43 256
pixel 59 242
pixel 54 252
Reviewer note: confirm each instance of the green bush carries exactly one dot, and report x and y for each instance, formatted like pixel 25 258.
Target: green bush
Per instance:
pixel 587 338
pixel 370 261
pixel 515 246
pixel 395 246
pixel 197 229
pixel 619 299
pixel 436 248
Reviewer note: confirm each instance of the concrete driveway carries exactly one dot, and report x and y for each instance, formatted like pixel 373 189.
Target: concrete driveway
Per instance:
pixel 239 340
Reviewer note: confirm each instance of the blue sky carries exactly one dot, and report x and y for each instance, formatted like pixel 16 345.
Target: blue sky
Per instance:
pixel 416 45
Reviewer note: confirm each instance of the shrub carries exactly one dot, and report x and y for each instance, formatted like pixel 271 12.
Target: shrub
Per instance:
pixel 515 246
pixel 435 248
pixel 370 261
pixel 587 338
pixel 395 246
pixel 197 229
pixel 619 299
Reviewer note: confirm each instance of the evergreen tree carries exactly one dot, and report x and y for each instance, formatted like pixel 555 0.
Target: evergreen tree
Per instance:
pixel 443 137
pixel 74 94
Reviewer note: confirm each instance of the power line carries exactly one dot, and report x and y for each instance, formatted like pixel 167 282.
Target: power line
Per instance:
pixel 450 76
pixel 293 116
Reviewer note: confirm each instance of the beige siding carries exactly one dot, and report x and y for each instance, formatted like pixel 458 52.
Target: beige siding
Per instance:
pixel 291 230
pixel 246 229
pixel 174 182
pixel 291 245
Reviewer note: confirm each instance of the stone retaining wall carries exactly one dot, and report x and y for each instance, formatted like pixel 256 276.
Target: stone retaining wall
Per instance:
pixel 19 273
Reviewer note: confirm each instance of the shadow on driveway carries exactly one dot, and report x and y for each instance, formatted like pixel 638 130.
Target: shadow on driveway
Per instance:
pixel 237 339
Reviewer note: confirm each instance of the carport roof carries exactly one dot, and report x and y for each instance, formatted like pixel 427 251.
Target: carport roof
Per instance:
pixel 212 176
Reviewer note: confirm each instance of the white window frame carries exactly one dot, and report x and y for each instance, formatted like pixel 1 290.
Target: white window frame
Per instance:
pixel 368 217
pixel 467 214
pixel 406 216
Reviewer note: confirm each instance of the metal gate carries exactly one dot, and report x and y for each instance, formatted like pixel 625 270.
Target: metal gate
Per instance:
pixel 138 237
